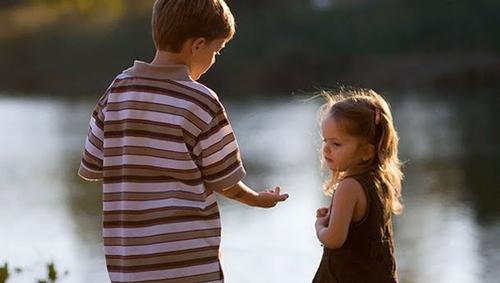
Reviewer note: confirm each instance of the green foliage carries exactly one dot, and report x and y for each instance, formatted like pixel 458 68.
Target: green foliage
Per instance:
pixel 279 46
pixel 51 271
pixel 4 273
pixel 377 26
pixel 52 274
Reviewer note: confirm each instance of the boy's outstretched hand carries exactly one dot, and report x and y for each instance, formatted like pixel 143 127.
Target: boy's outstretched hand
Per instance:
pixel 270 198
pixel 242 193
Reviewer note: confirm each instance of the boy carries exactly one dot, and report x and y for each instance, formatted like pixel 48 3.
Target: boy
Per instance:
pixel 162 145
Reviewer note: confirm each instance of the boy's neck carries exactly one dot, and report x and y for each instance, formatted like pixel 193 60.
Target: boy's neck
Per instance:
pixel 169 58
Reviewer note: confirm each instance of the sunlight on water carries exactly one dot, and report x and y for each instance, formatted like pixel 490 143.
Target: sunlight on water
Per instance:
pixel 437 235
pixel 49 214
pixel 35 211
pixel 278 141
pixel 427 129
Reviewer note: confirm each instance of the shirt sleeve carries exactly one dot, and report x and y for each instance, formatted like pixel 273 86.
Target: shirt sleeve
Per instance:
pixel 92 160
pixel 219 154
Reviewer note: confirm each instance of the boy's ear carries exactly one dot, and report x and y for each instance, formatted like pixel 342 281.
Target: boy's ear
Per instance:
pixel 197 44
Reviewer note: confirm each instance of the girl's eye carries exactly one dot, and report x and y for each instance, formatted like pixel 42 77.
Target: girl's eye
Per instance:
pixel 336 144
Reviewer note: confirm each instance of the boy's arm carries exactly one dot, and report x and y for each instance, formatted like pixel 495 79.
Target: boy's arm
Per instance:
pixel 91 164
pixel 242 193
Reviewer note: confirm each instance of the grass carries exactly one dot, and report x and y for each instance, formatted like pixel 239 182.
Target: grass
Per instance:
pixel 52 275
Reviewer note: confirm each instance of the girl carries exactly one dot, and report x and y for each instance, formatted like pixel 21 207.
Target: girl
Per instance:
pixel 361 150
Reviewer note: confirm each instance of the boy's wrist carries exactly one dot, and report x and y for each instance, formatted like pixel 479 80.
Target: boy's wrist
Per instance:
pixel 251 198
pixel 242 193
pixel 256 199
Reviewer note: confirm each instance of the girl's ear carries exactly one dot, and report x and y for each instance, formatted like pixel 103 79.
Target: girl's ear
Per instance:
pixel 197 44
pixel 368 152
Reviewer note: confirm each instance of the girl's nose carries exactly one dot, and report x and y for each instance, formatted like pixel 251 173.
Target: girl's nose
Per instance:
pixel 326 150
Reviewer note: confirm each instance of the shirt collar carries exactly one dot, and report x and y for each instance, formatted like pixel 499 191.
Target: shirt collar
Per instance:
pixel 172 72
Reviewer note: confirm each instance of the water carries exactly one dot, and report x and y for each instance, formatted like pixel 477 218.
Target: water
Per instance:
pixel 449 231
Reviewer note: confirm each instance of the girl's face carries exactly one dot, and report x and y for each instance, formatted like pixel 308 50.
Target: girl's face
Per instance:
pixel 342 151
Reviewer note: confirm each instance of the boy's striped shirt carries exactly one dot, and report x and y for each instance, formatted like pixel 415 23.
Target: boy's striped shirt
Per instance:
pixel 162 144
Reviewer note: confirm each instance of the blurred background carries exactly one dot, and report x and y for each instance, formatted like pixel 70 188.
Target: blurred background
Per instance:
pixel 437 62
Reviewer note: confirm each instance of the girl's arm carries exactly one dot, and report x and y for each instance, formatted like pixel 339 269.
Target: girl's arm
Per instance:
pixel 333 234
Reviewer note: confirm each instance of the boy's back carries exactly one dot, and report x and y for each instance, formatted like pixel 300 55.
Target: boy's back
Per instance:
pixel 162 145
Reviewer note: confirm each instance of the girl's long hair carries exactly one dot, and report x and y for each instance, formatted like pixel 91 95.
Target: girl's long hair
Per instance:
pixel 365 114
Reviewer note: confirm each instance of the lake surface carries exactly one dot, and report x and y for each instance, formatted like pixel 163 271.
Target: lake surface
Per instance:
pixel 449 231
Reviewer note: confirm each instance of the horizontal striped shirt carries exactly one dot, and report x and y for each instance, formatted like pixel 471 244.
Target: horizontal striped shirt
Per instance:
pixel 162 145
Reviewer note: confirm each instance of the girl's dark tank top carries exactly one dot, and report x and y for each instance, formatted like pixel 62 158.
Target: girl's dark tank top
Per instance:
pixel 368 252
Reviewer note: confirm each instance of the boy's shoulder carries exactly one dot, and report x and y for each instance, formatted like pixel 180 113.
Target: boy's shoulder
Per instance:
pixel 169 75
pixel 201 89
pixel 169 80
pixel 204 97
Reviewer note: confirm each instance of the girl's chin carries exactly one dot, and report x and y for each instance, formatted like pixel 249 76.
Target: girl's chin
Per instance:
pixel 330 165
pixel 335 169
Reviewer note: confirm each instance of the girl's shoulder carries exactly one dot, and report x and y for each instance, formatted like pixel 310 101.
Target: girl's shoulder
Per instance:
pixel 359 184
pixel 361 180
pixel 350 187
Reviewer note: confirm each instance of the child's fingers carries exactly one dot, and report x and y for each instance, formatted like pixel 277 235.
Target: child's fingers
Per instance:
pixel 274 195
pixel 320 212
pixel 282 197
pixel 278 197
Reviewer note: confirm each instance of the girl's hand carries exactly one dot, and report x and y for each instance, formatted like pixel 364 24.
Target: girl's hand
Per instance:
pixel 323 211
pixel 321 222
pixel 322 217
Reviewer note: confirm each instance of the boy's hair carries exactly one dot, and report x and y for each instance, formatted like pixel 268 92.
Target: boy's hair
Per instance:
pixel 175 21
pixel 365 114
